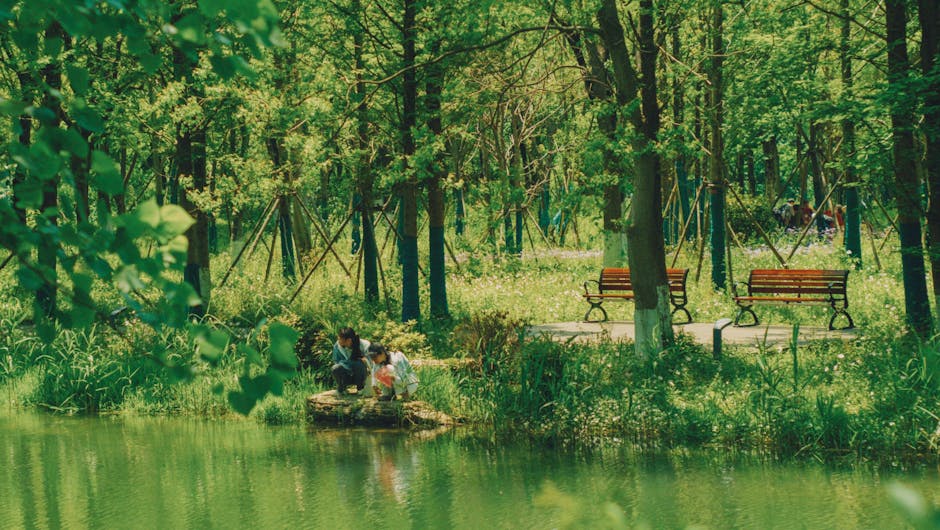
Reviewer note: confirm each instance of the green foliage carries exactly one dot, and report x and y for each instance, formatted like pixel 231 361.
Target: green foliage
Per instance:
pixel 745 221
pixel 491 339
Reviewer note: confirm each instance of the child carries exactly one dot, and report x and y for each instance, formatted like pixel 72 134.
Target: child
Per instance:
pixel 392 373
pixel 350 365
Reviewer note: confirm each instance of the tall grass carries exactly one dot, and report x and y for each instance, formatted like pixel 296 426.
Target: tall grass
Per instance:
pixel 877 394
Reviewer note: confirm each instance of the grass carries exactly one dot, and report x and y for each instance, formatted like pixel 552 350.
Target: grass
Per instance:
pixel 877 395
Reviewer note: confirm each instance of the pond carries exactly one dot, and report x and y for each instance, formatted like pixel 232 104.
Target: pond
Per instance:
pixel 175 473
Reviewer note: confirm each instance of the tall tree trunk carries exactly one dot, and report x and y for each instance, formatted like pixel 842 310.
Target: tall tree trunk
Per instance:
pixel 615 245
pixel 814 153
pixel 599 89
pixel 279 159
pixel 772 182
pixel 159 172
pixel 751 178
pixel 437 273
pixel 802 166
pixel 647 255
pixel 25 124
pixel 197 257
pixel 46 248
pixel 459 212
pixel 410 305
pixel 929 14
pixel 191 160
pixel 916 300
pixel 364 176
pixel 80 171
pixel 698 220
pixel 852 215
pixel 717 189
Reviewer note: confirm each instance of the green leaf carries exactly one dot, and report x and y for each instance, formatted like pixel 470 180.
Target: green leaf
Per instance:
pixel 174 221
pixel 73 142
pixel 28 194
pixel 183 372
pixel 251 355
pixel 78 79
pixel 255 387
pixel 107 175
pixel 241 402
pixel 82 314
pixel 143 219
pixel 211 8
pixel 28 279
pixel 241 66
pixel 181 294
pixel 218 388
pixel 223 67
pixel 283 339
pixel 43 162
pixel 211 343
pixel 127 279
pixel 81 317
pixel 43 114
pixel 45 329
pixel 11 108
pixel 6 9
pixel 151 63
pixel 192 28
pixel 86 117
pixel 53 46
pixel 277 383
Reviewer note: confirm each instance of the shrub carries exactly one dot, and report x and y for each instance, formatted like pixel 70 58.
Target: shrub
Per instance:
pixel 491 339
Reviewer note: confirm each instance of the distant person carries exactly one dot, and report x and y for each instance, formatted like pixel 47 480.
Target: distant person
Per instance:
pixel 784 214
pixel 788 214
pixel 840 216
pixel 392 374
pixel 350 364
pixel 806 213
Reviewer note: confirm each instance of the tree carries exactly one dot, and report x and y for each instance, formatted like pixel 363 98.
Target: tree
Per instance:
pixel 916 302
pixel 410 305
pixel 438 274
pixel 929 16
pixel 853 232
pixel 647 248
pixel 716 160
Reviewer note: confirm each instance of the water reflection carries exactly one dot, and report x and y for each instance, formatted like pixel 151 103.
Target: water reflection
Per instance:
pixel 144 472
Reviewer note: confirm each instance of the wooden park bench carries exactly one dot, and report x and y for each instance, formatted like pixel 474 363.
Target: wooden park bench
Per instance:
pixel 615 284
pixel 795 286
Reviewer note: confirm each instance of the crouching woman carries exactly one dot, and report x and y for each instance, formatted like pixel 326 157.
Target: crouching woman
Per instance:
pixel 350 366
pixel 392 373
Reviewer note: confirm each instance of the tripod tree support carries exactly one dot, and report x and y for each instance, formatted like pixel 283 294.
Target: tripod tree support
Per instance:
pixel 316 264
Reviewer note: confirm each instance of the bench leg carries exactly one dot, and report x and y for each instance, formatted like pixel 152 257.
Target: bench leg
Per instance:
pixel 595 305
pixel 688 317
pixel 838 312
pixel 741 311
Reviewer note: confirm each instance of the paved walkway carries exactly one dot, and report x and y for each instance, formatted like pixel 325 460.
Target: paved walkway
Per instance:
pixel 701 331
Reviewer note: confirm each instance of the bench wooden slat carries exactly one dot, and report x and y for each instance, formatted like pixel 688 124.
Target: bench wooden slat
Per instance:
pixel 615 283
pixel 797 286
pixel 780 299
pixel 816 289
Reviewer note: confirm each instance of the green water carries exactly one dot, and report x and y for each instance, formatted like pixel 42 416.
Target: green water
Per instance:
pixel 169 473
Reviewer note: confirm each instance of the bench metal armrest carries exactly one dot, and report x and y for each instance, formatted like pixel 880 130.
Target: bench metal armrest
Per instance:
pixel 832 294
pixel 587 290
pixel 734 287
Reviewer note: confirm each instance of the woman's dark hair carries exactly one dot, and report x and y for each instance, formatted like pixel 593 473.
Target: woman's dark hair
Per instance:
pixel 349 333
pixel 377 348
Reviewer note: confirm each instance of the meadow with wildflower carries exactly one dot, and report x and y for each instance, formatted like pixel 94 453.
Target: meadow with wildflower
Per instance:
pixel 873 396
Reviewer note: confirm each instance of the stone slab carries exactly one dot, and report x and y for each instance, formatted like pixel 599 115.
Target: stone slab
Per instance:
pixel 702 332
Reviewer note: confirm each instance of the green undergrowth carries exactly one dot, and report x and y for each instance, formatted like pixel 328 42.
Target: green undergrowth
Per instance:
pixel 871 396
